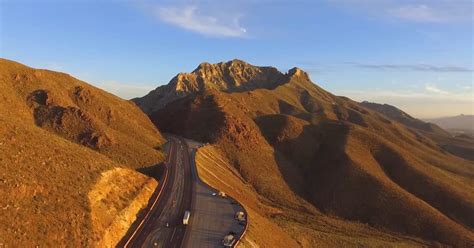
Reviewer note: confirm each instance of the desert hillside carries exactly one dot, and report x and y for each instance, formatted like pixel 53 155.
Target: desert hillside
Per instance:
pixel 302 148
pixel 68 155
pixel 289 227
pixel 459 144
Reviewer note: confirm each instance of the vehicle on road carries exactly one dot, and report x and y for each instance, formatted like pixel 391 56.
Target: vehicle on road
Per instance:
pixel 229 240
pixel 240 216
pixel 214 194
pixel 187 214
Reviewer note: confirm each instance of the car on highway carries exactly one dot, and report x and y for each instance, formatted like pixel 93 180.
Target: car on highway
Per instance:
pixel 229 240
pixel 186 216
pixel 240 216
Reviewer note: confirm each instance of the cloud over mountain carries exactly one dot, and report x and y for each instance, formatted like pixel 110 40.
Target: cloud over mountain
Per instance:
pixel 193 18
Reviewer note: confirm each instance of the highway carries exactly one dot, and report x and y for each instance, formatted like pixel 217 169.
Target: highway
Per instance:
pixel 213 216
pixel 167 205
pixel 180 189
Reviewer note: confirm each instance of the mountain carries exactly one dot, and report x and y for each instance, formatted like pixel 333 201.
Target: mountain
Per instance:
pixel 460 123
pixel 312 157
pixel 233 76
pixel 396 114
pixel 68 155
pixel 460 145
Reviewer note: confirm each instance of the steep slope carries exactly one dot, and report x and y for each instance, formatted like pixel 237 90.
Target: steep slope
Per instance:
pixel 308 151
pixel 68 154
pixel 459 145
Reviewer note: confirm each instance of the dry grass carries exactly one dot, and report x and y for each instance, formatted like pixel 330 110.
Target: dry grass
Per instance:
pixel 274 226
pixel 47 173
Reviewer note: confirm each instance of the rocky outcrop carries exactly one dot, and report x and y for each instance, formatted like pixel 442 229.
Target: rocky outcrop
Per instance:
pixel 68 154
pixel 115 200
pixel 231 76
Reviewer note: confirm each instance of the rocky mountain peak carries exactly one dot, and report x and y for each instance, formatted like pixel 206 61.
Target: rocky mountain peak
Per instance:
pixel 231 76
pixel 236 75
pixel 298 73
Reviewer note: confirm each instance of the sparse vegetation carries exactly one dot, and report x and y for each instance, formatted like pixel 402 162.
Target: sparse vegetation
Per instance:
pixel 58 138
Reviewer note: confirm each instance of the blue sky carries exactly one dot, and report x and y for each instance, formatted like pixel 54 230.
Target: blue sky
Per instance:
pixel 417 55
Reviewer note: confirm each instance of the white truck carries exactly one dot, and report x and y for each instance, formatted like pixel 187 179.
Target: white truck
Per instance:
pixel 187 214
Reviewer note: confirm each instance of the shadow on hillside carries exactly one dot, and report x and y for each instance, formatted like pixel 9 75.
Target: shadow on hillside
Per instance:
pixel 156 171
pixel 405 174
pixel 352 188
pixel 196 117
pixel 312 162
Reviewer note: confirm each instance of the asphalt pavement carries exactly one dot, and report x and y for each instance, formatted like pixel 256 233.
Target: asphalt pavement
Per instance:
pixel 166 206
pixel 161 223
pixel 212 216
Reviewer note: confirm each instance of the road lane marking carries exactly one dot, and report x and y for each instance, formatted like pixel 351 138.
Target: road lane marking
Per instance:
pixel 153 205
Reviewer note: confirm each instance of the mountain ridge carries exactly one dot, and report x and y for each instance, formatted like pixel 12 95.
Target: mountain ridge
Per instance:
pixel 231 76
pixel 459 145
pixel 401 116
pixel 459 122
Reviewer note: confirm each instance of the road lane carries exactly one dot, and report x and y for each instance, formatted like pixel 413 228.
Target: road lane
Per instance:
pixel 175 207
pixel 212 216
pixel 151 230
pixel 145 222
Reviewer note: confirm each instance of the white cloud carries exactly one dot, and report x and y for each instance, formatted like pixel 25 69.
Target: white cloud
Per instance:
pixel 434 89
pixel 190 18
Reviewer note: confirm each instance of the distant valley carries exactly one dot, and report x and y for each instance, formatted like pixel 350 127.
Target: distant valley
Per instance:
pixel 461 124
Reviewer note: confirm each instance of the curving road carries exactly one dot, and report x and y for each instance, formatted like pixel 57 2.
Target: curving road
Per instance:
pixel 180 189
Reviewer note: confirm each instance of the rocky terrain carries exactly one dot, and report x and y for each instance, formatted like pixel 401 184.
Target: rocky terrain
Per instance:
pixel 68 159
pixel 306 152
pixel 231 76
